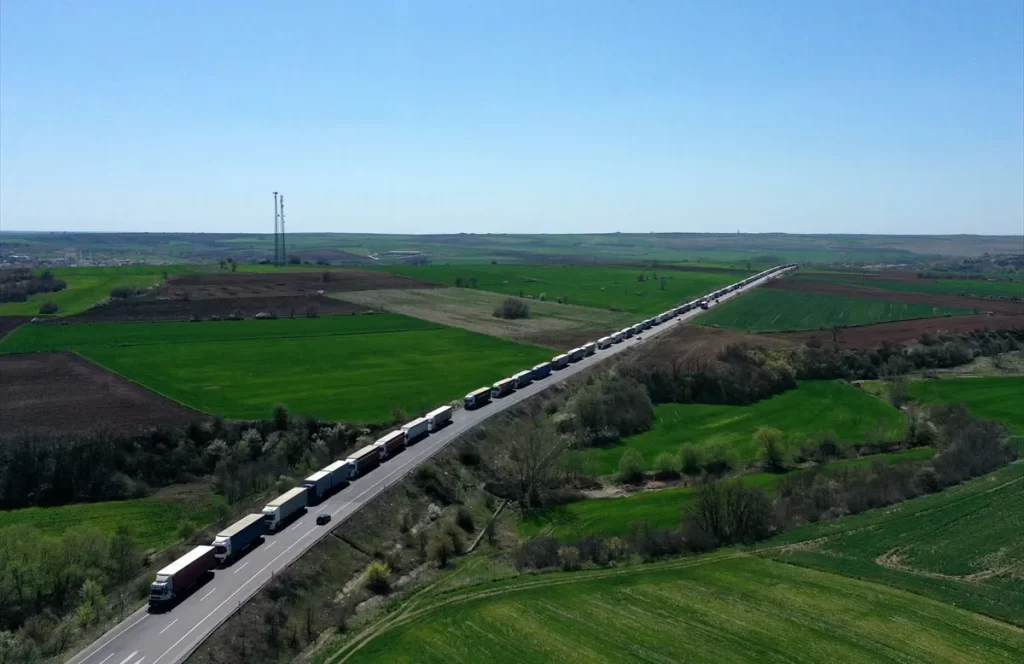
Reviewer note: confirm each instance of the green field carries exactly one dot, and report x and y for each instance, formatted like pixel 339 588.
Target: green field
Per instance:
pixel 769 310
pixel 814 408
pixel 964 546
pixel 88 286
pixel 351 368
pixel 153 522
pixel 965 287
pixel 711 609
pixel 602 287
pixel 995 398
pixel 662 508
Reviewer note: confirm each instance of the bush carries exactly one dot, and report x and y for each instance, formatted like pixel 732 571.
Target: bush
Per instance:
pixel 690 459
pixel 719 459
pixel 464 518
pixel 570 556
pixel 731 512
pixel 771 451
pixel 49 307
pixel 376 577
pixel 666 466
pixel 612 408
pixel 631 466
pixel 512 308
pixel 538 553
pixel 440 549
pixel 123 292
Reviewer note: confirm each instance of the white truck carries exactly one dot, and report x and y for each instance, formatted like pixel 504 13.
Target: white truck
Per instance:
pixel 239 537
pixel 173 581
pixel 391 444
pixel 288 505
pixel 341 472
pixel 523 378
pixel 416 429
pixel 438 418
pixel 605 342
pixel 318 485
pixel 589 348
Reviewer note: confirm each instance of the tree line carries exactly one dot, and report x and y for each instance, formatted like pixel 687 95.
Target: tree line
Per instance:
pixel 19 284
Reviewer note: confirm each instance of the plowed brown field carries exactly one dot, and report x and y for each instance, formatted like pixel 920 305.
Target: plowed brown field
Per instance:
pixel 905 331
pixel 46 394
pixel 807 285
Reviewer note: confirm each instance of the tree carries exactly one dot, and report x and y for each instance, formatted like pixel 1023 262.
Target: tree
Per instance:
pixel 440 550
pixel 49 307
pixel 376 577
pixel 731 512
pixel 771 449
pixel 894 373
pixel 459 282
pixel 529 462
pixel 631 466
pixel 689 459
pixel 666 466
pixel 512 309
pixel 661 283
pixel 836 331
pixel 281 417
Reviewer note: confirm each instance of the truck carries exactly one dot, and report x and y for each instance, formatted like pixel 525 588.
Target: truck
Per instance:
pixel 627 332
pixel 647 323
pixel 589 348
pixel 560 361
pixel 503 388
pixel 637 329
pixel 391 444
pixel 318 485
pixel 175 580
pixel 364 460
pixel 415 430
pixel 477 398
pixel 542 370
pixel 341 472
pixel 523 378
pixel 237 538
pixel 288 505
pixel 605 342
pixel 439 418
pixel 576 354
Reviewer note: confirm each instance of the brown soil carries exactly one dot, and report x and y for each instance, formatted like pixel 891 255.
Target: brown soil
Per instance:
pixel 146 309
pixel 905 331
pixel 830 288
pixel 288 284
pixel 9 323
pixel 46 394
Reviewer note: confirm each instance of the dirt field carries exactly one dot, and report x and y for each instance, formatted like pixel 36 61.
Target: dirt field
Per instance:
pixel 44 394
pixel 807 285
pixel 282 284
pixel 146 309
pixel 869 336
pixel 9 323
pixel 553 325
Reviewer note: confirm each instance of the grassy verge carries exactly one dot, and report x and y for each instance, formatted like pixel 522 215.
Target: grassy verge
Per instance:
pixel 996 397
pixel 764 310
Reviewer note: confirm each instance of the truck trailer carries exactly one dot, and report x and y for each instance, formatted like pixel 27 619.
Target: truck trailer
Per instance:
pixel 576 354
pixel 391 444
pixel 477 398
pixel 285 507
pixel 364 460
pixel 605 342
pixel 175 580
pixel 237 538
pixel 503 388
pixel 318 485
pixel 416 429
pixel 341 473
pixel 560 361
pixel 439 418
pixel 589 348
pixel 542 370
pixel 523 378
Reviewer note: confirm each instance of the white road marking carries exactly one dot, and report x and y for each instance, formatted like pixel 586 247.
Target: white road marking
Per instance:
pixel 129 657
pixel 139 660
pixel 200 599
pixel 169 626
pixel 241 567
pixel 111 639
pixel 106 658
pixel 272 544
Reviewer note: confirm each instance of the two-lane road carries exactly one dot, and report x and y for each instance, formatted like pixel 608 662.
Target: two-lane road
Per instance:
pixel 167 638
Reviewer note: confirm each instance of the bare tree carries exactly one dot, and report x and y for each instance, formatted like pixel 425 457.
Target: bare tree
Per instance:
pixel 894 373
pixel 529 463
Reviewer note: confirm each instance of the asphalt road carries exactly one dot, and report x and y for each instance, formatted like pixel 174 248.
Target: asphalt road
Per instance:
pixel 166 638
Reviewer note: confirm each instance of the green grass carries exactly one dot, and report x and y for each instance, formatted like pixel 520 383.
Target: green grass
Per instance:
pixel 814 408
pixel 769 310
pixel 153 522
pixel 602 287
pixel 965 287
pixel 964 546
pixel 88 286
pixel 350 368
pixel 995 398
pixel 709 609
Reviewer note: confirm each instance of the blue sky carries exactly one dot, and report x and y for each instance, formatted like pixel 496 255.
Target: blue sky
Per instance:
pixel 556 116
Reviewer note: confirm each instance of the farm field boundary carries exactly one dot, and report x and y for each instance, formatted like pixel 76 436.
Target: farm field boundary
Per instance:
pixel 905 331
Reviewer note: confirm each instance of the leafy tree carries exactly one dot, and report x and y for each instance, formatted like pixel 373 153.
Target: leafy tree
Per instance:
pixel 631 466
pixel 771 449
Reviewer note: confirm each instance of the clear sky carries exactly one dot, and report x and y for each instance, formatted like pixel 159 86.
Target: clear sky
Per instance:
pixel 515 116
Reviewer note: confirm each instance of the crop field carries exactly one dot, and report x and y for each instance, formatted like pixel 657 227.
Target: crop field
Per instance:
pixel 153 522
pixel 992 397
pixel 601 287
pixel 963 287
pixel 723 608
pixel 803 414
pixel 964 546
pixel 88 286
pixel 351 368
pixel 764 310
pixel 550 324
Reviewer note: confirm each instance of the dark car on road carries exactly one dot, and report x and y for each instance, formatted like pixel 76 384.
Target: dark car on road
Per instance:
pixel 322 519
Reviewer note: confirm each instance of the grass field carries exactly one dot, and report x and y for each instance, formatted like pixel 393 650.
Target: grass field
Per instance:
pixel 814 408
pixel 964 546
pixel 602 287
pixel 153 521
pixel 708 609
pixel 995 398
pixel 662 508
pixel 764 310
pixel 90 285
pixel 966 287
pixel 351 368
pixel 550 324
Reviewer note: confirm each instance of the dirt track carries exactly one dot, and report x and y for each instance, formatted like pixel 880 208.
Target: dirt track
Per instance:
pixel 46 394
pixel 831 288
pixel 905 331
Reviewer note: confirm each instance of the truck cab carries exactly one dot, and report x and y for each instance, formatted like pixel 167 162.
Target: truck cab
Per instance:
pixel 161 590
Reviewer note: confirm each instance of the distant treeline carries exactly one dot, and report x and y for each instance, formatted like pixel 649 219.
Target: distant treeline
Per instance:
pixel 18 285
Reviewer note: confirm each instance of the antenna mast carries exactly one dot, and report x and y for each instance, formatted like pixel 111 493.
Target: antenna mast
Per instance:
pixel 284 252
pixel 276 243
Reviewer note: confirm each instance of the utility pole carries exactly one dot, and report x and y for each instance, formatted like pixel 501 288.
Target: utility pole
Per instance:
pixel 277 251
pixel 284 251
